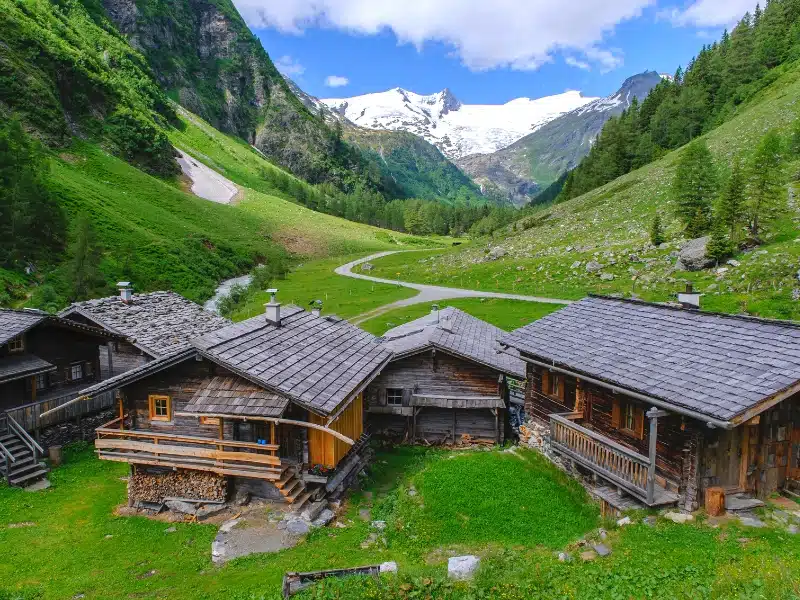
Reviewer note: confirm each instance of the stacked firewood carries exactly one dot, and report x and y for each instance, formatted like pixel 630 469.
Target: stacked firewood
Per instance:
pixel 196 485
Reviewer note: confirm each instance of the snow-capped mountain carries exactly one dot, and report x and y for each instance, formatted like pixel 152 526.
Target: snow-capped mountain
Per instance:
pixel 456 129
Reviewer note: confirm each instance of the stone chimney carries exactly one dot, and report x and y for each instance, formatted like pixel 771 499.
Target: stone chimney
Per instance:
pixel 435 311
pixel 125 291
pixel 316 308
pixel 689 298
pixel 273 308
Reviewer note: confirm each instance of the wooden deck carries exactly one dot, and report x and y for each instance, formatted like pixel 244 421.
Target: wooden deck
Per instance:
pixel 225 457
pixel 629 471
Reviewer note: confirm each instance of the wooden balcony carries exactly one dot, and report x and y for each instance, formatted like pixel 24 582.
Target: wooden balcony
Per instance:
pixel 630 471
pixel 225 457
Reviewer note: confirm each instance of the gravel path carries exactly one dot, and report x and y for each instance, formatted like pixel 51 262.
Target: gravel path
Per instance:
pixel 427 293
pixel 206 182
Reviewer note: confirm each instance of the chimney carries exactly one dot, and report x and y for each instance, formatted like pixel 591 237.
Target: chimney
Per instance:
pixel 273 308
pixel 316 309
pixel 435 311
pixel 125 291
pixel 689 298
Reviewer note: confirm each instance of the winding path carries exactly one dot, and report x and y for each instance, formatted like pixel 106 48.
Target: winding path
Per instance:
pixel 427 293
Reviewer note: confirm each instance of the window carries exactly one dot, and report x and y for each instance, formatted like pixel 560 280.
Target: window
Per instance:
pixel 628 417
pixel 41 381
pixel 16 344
pixel 394 397
pixel 209 421
pixel 160 408
pixel 553 385
pixel 76 372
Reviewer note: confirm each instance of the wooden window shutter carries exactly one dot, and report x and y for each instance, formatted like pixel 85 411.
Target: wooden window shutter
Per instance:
pixel 562 387
pixel 639 422
pixel 616 414
pixel 545 381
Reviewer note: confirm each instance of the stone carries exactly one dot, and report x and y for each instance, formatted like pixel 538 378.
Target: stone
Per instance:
pixel 588 555
pixel 593 266
pixel 371 539
pixel 650 521
pixel 462 568
pixel 737 502
pixel 495 253
pixel 602 549
pixel 209 510
pixel 325 517
pixel 242 498
pixel 172 529
pixel 218 551
pixel 364 514
pixel 575 265
pixel 792 529
pixel 38 486
pixel 677 517
pixel 186 508
pixel 412 492
pixel 624 521
pixel 564 557
pixel 733 263
pixel 21 525
pixel 692 256
pixel 312 511
pixel 748 521
pixel 379 525
pixel 367 266
pixel 228 525
pixel 602 533
pixel 388 567
pixel 297 527
pixel 607 276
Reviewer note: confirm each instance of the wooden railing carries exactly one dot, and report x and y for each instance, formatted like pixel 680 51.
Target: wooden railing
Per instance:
pixel 226 457
pixel 622 466
pixel 27 415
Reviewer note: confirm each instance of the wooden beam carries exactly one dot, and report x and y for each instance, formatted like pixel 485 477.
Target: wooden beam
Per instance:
pixel 133 459
pixel 744 460
pixel 767 404
pixel 161 449
pixel 170 437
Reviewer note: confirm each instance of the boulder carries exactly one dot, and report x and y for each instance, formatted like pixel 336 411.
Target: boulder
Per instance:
pixel 313 510
pixel 623 521
pixel 602 549
pixel 228 525
pixel 379 525
pixel 462 567
pixel 575 265
pixel 186 508
pixel 325 517
pixel 367 266
pixel 692 256
pixel 593 266
pixel 564 557
pixel 606 276
pixel 495 253
pixel 389 567
pixel 297 527
pixel 241 498
pixel 677 517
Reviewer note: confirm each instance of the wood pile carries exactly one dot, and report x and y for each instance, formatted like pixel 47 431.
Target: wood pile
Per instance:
pixel 198 485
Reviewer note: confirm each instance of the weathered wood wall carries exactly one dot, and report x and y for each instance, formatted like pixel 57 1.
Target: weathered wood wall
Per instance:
pixel 323 448
pixel 28 415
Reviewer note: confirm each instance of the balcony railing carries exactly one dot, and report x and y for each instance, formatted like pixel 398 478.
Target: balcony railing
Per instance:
pixel 226 457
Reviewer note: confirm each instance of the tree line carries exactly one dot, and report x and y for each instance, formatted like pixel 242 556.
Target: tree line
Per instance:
pixel 721 77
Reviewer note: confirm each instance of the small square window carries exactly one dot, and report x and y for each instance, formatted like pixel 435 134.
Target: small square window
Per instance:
pixel 41 381
pixel 76 372
pixel 16 344
pixel 394 397
pixel 160 408
pixel 209 421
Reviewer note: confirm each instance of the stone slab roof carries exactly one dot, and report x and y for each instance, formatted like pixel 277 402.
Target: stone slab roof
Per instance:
pixel 458 333
pixel 316 362
pixel 159 323
pixel 235 396
pixel 15 367
pixel 17 322
pixel 717 365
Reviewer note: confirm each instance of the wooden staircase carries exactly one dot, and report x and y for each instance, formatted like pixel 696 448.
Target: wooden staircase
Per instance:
pixel 293 489
pixel 19 454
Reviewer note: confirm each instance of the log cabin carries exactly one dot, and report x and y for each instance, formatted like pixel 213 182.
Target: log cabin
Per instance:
pixel 272 405
pixel 448 381
pixel 154 324
pixel 659 403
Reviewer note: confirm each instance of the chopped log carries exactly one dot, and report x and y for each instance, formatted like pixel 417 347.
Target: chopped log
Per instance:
pixel 715 501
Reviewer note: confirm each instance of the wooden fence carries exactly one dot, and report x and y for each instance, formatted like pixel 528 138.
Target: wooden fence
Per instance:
pixel 27 415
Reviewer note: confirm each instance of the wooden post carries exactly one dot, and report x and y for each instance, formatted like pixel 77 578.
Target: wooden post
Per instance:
pixel 272 433
pixel 653 415
pixel 454 427
pixel 110 360
pixel 33 388
pixel 496 425
pixel 715 501
pixel 121 415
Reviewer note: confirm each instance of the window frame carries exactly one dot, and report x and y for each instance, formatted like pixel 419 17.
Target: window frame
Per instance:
pixel 392 396
pixel 209 421
pixel 72 367
pixel 625 411
pixel 16 344
pixel 151 401
pixel 43 379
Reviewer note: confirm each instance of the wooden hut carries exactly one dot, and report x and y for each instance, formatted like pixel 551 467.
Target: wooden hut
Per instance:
pixel 448 381
pixel 659 403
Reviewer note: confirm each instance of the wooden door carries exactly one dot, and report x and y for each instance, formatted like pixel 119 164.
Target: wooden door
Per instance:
pixel 728 458
pixel 793 466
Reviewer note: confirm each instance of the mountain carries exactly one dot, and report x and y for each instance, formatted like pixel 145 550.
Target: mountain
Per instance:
pixel 536 160
pixel 455 128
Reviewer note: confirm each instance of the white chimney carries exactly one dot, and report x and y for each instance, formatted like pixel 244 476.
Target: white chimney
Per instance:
pixel 316 310
pixel 435 311
pixel 273 308
pixel 689 298
pixel 446 324
pixel 125 291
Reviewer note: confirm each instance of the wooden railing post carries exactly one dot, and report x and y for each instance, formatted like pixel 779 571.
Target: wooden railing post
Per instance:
pixel 653 415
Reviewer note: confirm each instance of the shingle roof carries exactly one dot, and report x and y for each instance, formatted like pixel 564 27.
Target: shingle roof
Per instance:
pixel 159 323
pixel 16 322
pixel 23 365
pixel 235 396
pixel 316 362
pixel 465 336
pixel 717 365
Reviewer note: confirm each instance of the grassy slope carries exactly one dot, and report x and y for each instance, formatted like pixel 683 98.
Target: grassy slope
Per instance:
pixel 76 545
pixel 505 314
pixel 611 225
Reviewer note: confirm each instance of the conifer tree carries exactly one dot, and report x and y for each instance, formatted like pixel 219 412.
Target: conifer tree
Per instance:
pixel 85 265
pixel 766 196
pixel 656 231
pixel 693 188
pixel 720 246
pixel 730 208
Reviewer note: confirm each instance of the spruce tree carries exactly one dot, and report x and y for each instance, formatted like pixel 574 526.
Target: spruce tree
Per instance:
pixel 693 188
pixel 720 246
pixel 656 231
pixel 730 208
pixel 766 195
pixel 86 253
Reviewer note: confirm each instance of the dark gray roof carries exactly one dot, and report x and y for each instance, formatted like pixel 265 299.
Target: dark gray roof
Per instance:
pixel 717 365
pixel 14 367
pixel 17 322
pixel 235 396
pixel 316 362
pixel 459 333
pixel 158 323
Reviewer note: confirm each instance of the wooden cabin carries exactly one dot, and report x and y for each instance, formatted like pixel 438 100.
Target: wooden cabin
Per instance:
pixel 153 325
pixel 272 405
pixel 659 403
pixel 448 381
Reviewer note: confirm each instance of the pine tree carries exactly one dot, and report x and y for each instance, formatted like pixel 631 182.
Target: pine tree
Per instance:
pixel 86 253
pixel 720 246
pixel 693 187
pixel 730 208
pixel 656 231
pixel 766 196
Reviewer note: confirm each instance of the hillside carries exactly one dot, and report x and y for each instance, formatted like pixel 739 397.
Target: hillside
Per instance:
pixel 548 251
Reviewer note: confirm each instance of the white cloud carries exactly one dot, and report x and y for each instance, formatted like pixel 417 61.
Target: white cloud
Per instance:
pixel 708 13
pixel 579 64
pixel 520 34
pixel 289 66
pixel 607 59
pixel 335 81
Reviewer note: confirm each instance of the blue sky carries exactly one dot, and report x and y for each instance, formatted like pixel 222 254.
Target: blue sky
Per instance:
pixel 339 48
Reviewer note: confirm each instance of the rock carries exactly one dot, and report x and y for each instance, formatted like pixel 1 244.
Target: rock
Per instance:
pixel 364 514
pixel 371 539
pixel 312 511
pixel 218 551
pixel 650 521
pixel 495 253
pixel 733 263
pixel 588 555
pixel 623 521
pixel 520 268
pixel 367 266
pixel 389 567
pixel 38 486
pixel 792 529
pixel 325 517
pixel 593 266
pixel 172 529
pixel 462 567
pixel 748 521
pixel 606 276
pixel 602 533
pixel 602 549
pixel 379 525
pixel 741 502
pixel 677 517
pixel 242 498
pixel 564 557
pixel 186 508
pixel 297 527
pixel 412 491
pixel 663 246
pixel 21 525
pixel 575 265
pixel 209 510
pixel 692 256
pixel 228 525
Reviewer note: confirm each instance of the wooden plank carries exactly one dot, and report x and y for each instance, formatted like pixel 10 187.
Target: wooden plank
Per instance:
pixel 127 458
pixel 161 449
pixel 132 433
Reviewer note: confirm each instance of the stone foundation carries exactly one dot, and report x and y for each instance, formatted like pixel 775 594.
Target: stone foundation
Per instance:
pixel 155 485
pixel 74 430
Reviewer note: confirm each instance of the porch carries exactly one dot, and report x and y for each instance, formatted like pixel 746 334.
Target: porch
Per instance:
pixel 632 473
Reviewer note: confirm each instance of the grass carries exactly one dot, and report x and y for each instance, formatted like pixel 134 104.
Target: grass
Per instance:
pixel 548 250
pixel 513 509
pixel 505 314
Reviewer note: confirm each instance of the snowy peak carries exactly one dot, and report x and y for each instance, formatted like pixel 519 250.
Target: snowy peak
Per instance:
pixel 457 129
pixel 637 86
